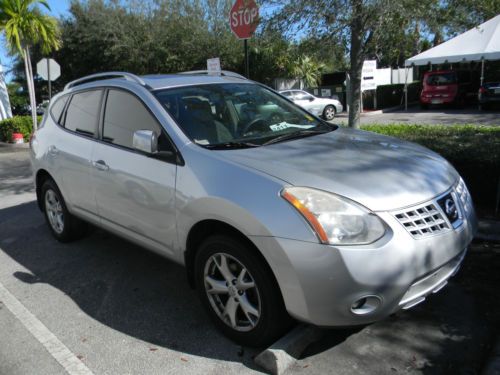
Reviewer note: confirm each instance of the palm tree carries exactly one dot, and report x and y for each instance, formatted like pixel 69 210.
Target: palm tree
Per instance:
pixel 308 70
pixel 25 26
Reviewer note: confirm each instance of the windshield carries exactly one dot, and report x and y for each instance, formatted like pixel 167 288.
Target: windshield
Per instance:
pixel 441 79
pixel 236 114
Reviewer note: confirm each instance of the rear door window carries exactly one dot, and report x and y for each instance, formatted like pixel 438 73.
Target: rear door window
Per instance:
pixel 83 112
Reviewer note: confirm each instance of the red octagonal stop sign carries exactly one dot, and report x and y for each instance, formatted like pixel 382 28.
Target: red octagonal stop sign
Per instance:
pixel 244 18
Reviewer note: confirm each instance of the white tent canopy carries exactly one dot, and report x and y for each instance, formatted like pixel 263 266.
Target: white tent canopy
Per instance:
pixel 478 44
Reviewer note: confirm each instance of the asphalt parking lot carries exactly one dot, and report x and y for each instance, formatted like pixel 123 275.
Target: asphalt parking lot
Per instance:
pixel 119 309
pixel 414 115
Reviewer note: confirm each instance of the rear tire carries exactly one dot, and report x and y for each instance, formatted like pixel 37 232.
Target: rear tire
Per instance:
pixel 64 226
pixel 239 292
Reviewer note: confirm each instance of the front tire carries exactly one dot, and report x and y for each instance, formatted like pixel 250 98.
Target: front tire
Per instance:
pixel 329 112
pixel 64 226
pixel 239 293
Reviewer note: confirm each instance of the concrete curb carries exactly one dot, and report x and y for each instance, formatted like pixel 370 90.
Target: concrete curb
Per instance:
pixel 488 230
pixel 380 111
pixel 284 353
pixel 493 363
pixel 14 145
pixel 390 109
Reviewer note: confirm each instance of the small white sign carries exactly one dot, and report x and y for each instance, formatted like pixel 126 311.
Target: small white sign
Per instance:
pixel 213 66
pixel 368 75
pixel 48 68
pixel 326 92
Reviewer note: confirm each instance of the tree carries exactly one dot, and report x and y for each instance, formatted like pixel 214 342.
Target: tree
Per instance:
pixel 307 70
pixel 354 23
pixel 17 97
pixel 25 26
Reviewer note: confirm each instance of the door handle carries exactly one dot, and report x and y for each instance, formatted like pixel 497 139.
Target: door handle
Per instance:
pixel 101 165
pixel 53 150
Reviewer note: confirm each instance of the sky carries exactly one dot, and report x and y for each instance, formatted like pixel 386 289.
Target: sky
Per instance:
pixel 58 8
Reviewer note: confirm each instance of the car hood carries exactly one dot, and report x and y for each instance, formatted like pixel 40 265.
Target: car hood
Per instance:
pixel 382 173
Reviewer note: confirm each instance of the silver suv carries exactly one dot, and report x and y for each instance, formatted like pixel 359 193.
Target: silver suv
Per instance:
pixel 275 213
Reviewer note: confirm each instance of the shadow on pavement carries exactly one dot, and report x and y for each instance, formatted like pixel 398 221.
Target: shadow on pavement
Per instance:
pixel 121 285
pixel 147 297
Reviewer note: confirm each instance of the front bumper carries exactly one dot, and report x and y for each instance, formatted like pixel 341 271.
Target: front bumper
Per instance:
pixel 320 283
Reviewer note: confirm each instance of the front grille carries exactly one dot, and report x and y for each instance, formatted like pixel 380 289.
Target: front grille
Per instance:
pixel 423 221
pixel 462 192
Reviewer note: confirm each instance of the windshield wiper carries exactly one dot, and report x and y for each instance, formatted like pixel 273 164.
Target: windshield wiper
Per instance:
pixel 230 145
pixel 296 134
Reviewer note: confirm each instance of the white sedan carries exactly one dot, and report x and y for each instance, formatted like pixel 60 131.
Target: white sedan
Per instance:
pixel 325 107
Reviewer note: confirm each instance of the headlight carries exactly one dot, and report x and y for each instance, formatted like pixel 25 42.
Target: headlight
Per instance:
pixel 336 220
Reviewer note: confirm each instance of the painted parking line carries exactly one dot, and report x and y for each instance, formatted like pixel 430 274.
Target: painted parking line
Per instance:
pixel 54 346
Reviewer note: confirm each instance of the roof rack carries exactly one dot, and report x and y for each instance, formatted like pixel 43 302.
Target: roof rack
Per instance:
pixel 226 73
pixel 99 76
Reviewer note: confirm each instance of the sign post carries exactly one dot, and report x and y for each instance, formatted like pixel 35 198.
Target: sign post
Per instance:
pixel 213 66
pixel 244 19
pixel 49 70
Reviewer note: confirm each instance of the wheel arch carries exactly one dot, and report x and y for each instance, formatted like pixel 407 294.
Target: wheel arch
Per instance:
pixel 205 228
pixel 41 176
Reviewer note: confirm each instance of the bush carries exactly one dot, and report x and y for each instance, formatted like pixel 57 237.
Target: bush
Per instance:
pixel 393 95
pixel 472 149
pixel 16 124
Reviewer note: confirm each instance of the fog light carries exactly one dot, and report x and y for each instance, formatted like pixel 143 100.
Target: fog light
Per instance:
pixel 366 305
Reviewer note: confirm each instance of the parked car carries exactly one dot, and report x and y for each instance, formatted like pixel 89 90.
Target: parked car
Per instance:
pixel 41 108
pixel 324 107
pixel 489 95
pixel 275 213
pixel 442 87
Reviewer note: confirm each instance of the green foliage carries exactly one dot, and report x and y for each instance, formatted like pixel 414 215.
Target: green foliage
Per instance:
pixel 308 70
pixel 25 25
pixel 473 150
pixel 17 96
pixel 146 37
pixel 16 124
pixel 469 143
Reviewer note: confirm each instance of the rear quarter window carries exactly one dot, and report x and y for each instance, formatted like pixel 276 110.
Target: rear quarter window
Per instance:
pixel 57 108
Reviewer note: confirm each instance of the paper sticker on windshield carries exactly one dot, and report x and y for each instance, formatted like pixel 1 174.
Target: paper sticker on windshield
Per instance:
pixel 285 125
pixel 310 118
pixel 278 127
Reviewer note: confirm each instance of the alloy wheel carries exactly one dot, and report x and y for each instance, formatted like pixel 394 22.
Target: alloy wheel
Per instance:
pixel 329 113
pixel 54 210
pixel 232 292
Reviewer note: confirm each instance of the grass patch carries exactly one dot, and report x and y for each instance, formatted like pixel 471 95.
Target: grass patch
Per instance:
pixel 472 149
pixel 470 143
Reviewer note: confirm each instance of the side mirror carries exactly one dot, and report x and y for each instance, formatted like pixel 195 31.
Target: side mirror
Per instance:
pixel 311 98
pixel 145 141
